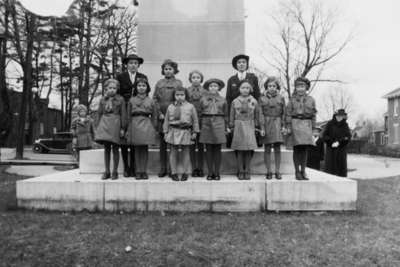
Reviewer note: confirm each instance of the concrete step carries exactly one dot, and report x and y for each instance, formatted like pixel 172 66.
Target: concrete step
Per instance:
pixel 72 190
pixel 92 161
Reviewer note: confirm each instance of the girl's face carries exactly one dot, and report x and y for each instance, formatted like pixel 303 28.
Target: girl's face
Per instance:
pixel 180 96
pixel 241 65
pixel 195 79
pixel 168 71
pixel 339 117
pixel 111 89
pixel 82 113
pixel 245 89
pixel 141 88
pixel 272 87
pixel 301 88
pixel 213 88
pixel 132 65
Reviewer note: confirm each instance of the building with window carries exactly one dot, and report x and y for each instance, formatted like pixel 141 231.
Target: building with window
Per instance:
pixel 392 120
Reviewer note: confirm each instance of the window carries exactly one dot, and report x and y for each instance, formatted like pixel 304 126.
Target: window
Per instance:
pixel 396 106
pixel 396 131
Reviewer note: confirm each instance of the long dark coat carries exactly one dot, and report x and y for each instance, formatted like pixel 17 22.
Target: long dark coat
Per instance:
pixel 336 158
pixel 126 85
pixel 316 154
pixel 232 89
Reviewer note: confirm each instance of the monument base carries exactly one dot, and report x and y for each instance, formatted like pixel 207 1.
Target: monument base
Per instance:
pixel 72 191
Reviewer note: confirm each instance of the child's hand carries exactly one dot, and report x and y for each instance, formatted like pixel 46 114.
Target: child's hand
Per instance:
pixel 194 135
pixel 288 131
pixel 161 117
pixel 228 130
pixel 262 133
pixel 122 133
pixel 335 144
pixel 74 141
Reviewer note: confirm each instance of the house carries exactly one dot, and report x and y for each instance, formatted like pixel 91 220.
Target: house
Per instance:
pixel 392 120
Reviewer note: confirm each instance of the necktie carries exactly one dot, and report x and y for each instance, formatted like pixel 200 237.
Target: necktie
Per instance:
pixel 177 111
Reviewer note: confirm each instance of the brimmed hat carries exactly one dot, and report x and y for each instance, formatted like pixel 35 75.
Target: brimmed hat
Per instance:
pixel 303 80
pixel 340 112
pixel 125 60
pixel 171 63
pixel 236 58
pixel 220 83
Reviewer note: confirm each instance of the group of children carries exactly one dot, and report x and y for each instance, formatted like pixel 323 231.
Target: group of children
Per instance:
pixel 195 121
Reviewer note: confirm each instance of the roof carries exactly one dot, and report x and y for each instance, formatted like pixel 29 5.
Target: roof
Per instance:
pixel 392 94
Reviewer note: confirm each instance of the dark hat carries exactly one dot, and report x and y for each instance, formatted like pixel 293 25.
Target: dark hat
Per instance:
pixel 236 58
pixel 340 112
pixel 303 80
pixel 125 60
pixel 220 83
pixel 171 63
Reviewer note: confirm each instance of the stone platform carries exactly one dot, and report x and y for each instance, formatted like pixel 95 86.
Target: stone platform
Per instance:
pixel 71 190
pixel 92 162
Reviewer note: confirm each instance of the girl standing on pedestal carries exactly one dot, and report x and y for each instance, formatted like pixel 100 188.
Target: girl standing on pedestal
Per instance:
pixel 196 92
pixel 300 115
pixel 163 97
pixel 245 116
pixel 82 130
pixel 111 126
pixel 273 109
pixel 181 127
pixel 143 117
pixel 214 124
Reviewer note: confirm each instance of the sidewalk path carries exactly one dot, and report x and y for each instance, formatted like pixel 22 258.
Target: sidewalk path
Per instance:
pixel 372 167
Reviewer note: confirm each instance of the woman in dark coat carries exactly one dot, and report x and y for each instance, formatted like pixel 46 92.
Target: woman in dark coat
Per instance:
pixel 336 136
pixel 316 152
pixel 241 64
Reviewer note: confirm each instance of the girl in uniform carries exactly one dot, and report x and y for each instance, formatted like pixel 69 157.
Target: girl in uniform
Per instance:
pixel 82 130
pixel 111 126
pixel 245 116
pixel 142 116
pixel 196 91
pixel 214 123
pixel 273 109
pixel 181 127
pixel 163 97
pixel 300 116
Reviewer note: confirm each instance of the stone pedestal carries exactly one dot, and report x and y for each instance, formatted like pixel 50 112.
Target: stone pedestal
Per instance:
pixel 198 34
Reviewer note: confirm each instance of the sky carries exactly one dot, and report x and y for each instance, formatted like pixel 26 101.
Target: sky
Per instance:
pixel 370 65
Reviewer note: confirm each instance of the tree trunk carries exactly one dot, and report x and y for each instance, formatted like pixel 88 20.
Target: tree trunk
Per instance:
pixel 61 91
pixel 81 54
pixel 4 99
pixel 85 97
pixel 27 84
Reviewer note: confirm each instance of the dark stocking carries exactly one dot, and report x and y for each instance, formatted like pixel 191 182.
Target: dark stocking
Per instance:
pixel 107 156
pixel 115 150
pixel 267 157
pixel 277 153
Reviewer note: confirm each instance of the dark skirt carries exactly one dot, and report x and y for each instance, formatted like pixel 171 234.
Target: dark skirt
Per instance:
pixel 108 130
pixel 141 131
pixel 213 130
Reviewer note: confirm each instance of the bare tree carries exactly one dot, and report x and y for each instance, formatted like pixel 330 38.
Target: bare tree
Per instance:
pixel 307 40
pixel 336 98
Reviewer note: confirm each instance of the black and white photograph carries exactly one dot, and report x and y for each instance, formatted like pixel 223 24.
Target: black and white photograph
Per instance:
pixel 199 133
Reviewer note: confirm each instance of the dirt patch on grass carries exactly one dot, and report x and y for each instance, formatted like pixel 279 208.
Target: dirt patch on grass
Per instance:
pixel 368 237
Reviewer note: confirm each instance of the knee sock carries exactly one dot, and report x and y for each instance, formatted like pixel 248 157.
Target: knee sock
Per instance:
pixel 115 150
pixel 267 157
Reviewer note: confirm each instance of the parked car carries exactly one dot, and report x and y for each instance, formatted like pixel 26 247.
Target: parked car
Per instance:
pixel 60 142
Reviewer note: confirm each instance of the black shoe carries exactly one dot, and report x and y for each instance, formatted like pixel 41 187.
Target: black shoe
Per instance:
pixel 127 173
pixel 132 173
pixel 217 177
pixel 304 176
pixel 268 176
pixel 298 176
pixel 241 176
pixel 200 173
pixel 162 174
pixel 246 176
pixel 106 176
pixel 209 177
pixel 174 177
pixel 278 176
pixel 195 173
pixel 139 176
pixel 114 176
pixel 184 177
pixel 145 176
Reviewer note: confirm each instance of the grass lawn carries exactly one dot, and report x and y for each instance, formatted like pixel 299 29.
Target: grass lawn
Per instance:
pixel 368 237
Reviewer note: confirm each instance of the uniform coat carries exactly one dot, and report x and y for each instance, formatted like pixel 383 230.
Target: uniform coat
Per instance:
pixel 214 119
pixel 111 120
pixel 83 130
pixel 142 121
pixel 315 154
pixel 179 130
pixel 232 89
pixel 336 158
pixel 126 85
pixel 195 95
pixel 273 109
pixel 245 116
pixel 300 118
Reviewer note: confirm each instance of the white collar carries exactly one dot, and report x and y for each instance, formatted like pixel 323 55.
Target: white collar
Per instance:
pixel 241 75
